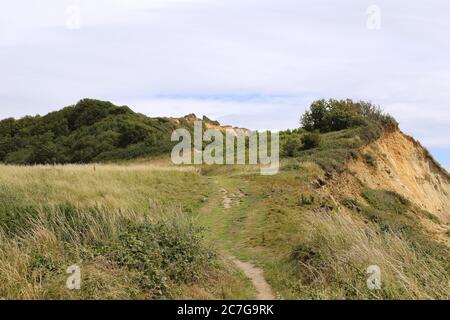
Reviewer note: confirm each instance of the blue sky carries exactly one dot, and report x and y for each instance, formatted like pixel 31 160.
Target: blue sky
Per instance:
pixel 252 63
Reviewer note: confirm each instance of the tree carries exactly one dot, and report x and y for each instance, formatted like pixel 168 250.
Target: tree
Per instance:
pixel 332 115
pixel 131 133
pixel 315 118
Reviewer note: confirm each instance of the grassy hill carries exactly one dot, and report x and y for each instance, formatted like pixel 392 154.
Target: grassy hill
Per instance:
pixel 147 229
pixel 90 131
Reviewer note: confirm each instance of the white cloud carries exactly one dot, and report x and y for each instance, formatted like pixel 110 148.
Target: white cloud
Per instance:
pixel 254 113
pixel 136 51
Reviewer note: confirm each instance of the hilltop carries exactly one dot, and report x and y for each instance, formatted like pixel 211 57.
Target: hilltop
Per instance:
pixel 90 131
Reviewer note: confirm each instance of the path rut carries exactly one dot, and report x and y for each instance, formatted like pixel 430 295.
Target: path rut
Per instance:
pixel 256 275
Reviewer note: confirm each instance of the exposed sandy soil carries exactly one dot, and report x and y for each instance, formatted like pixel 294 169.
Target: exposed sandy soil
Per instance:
pixel 230 200
pixel 256 275
pixel 404 166
pixel 227 201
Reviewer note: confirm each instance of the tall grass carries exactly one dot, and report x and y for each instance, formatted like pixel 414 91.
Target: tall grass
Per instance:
pixel 314 249
pixel 122 254
pixel 133 187
pixel 128 228
pixel 337 249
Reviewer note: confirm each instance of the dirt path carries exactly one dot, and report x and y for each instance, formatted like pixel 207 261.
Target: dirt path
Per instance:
pixel 256 275
pixel 230 200
pixel 225 203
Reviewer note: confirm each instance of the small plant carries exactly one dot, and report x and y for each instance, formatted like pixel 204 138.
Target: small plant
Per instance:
pixel 351 204
pixel 430 216
pixel 306 200
pixel 370 159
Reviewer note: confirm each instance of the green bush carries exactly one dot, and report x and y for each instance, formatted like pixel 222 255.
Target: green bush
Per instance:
pixel 311 140
pixel 292 147
pixel 370 159
pixel 156 254
pixel 334 115
pixel 171 249
pixel 331 115
pixel 387 201
pixel 89 131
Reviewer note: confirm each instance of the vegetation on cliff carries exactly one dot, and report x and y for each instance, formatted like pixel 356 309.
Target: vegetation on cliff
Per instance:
pixel 90 131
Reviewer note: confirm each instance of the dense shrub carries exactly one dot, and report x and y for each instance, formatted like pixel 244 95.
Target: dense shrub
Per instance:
pixel 331 115
pixel 176 247
pixel 333 131
pixel 168 250
pixel 292 147
pixel 334 115
pixel 89 131
pixel 311 140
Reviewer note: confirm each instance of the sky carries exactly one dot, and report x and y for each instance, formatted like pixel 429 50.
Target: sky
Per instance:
pixel 252 63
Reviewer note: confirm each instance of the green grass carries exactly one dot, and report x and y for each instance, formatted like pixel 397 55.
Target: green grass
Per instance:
pixel 335 148
pixel 314 251
pixel 150 230
pixel 131 229
pixel 151 256
pixel 145 229
pixel 387 201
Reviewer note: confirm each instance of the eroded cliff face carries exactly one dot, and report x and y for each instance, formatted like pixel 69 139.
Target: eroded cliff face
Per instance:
pixel 209 124
pixel 398 163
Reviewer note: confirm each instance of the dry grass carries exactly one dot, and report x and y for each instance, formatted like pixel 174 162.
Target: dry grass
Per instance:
pixel 315 250
pixel 33 264
pixel 52 217
pixel 115 186
pixel 337 249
